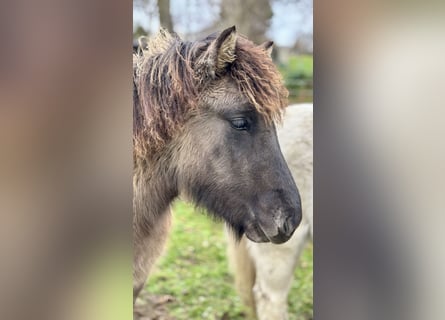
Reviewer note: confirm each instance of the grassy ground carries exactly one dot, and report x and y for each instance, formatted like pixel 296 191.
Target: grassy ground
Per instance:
pixel 194 271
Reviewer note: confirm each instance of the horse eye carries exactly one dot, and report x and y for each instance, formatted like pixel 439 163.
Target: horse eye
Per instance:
pixel 240 123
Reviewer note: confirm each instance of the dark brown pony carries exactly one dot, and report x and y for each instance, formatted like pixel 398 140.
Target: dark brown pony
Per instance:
pixel 204 126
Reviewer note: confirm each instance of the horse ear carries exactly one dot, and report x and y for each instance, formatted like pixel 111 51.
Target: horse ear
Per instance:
pixel 268 47
pixel 221 52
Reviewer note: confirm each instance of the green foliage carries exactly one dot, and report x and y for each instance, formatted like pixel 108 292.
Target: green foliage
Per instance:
pixel 139 32
pixel 194 270
pixel 298 67
pixel 298 77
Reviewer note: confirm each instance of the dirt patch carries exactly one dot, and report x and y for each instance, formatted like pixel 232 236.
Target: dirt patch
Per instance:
pixel 152 307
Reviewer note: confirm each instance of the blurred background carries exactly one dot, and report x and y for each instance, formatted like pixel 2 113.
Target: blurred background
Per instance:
pixel 66 165
pixel 192 280
pixel 289 23
pixel 65 160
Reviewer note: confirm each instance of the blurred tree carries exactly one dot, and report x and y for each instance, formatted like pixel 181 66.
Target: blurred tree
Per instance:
pixel 251 17
pixel 165 17
pixel 155 10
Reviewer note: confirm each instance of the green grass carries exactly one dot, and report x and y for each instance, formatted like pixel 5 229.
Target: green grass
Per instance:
pixel 195 272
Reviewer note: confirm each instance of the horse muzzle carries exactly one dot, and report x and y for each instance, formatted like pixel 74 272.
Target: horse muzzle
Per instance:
pixel 276 228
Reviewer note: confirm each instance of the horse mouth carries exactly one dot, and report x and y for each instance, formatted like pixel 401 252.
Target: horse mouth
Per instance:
pixel 279 238
pixel 257 234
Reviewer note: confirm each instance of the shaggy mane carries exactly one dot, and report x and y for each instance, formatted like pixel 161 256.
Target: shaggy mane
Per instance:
pixel 166 87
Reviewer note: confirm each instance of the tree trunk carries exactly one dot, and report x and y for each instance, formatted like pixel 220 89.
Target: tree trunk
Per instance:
pixel 164 15
pixel 251 17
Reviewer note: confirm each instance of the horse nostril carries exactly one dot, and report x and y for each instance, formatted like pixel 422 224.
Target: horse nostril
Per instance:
pixel 286 226
pixel 283 226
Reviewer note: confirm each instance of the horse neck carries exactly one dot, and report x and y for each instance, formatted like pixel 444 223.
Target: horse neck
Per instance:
pixel 154 188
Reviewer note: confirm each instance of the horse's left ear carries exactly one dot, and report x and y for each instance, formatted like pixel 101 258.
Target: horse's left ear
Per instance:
pixel 221 52
pixel 268 47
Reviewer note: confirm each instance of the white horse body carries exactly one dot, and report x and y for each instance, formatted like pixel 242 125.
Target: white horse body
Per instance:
pixel 264 271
